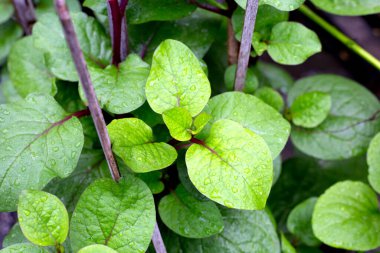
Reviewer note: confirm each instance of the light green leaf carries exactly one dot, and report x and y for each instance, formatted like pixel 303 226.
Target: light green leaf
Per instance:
pixel 352 122
pixel 292 43
pixel 310 109
pixel 251 82
pixel 347 216
pixel 188 216
pixel 14 236
pixel 118 215
pixel 284 5
pixel 233 166
pixel 200 122
pixel 48 37
pixel 6 10
pixel 133 141
pixel 253 114
pixel 286 246
pixel 299 222
pixel 27 70
pixel 97 248
pixel 9 33
pixel 271 97
pixel 38 142
pixel 24 247
pixel 176 79
pixel 43 218
pixel 244 231
pixel 120 89
pixel 373 160
pixel 140 11
pixel 349 7
pixel 179 121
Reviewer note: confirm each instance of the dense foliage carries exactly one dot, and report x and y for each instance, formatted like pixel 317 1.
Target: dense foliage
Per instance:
pixel 196 156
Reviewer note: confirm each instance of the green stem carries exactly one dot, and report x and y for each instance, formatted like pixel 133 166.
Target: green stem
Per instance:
pixel 355 47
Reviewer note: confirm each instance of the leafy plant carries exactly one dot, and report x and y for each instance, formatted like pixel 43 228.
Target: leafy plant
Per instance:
pixel 129 122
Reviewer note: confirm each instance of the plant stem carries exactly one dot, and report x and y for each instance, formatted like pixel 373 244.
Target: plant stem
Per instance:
pixel 211 8
pixel 88 88
pixel 232 44
pixel 246 41
pixel 124 31
pixel 158 243
pixel 115 29
pixel 340 36
pixel 26 15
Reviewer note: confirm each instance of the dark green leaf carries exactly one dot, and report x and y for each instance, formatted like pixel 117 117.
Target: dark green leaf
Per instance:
pixel 9 33
pixel 373 160
pixel 6 10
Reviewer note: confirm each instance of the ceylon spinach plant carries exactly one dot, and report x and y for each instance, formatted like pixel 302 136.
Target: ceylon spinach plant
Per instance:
pixel 196 129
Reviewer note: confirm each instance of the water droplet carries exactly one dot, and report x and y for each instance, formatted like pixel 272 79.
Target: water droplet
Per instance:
pixel 73 154
pixel 26 212
pixel 228 204
pixel 139 159
pixel 6 112
pixel 207 181
pixel 5 131
pixel 235 190
pixel 23 169
pixel 1 119
pixel 78 144
pixel 9 148
pixel 55 149
pixel 193 88
pixel 247 170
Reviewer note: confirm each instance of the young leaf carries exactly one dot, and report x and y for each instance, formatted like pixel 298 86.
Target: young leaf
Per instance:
pixel 232 167
pixel 373 160
pixel 271 97
pixel 244 231
pixel 200 122
pixel 120 89
pixel 310 109
pixel 27 70
pixel 348 129
pixel 133 141
pixel 24 247
pixel 140 11
pixel 176 79
pixel 118 215
pixel 97 248
pixel 48 36
pixel 292 43
pixel 6 10
pixel 286 246
pixel 38 142
pixel 253 114
pixel 43 218
pixel 347 216
pixel 188 216
pixel 251 82
pixel 299 222
pixel 9 33
pixel 348 7
pixel 179 121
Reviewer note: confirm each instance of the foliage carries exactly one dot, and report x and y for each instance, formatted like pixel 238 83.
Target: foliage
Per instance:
pixel 198 159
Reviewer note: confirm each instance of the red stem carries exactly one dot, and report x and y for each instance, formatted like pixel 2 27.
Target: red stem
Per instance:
pixel 211 8
pixel 115 29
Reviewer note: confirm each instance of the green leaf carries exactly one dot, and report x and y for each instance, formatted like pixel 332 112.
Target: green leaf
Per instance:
pixel 286 246
pixel 24 247
pixel 120 89
pixel 251 82
pixel 48 37
pixel 273 76
pixel 6 10
pixel 140 11
pixel 284 5
pixel 347 216
pixel 244 231
pixel 176 79
pixel 9 33
pixel 97 248
pixel 118 215
pixel 146 114
pixel 198 36
pixel 188 216
pixel 271 97
pixel 253 114
pixel 292 43
pixel 153 181
pixel 43 218
pixel 68 97
pixel 200 122
pixel 14 236
pixel 27 70
pixel 310 109
pixel 299 222
pixel 348 128
pixel 179 121
pixel 7 88
pixel 133 141
pixel 38 142
pixel 46 6
pixel 348 7
pixel 277 168
pixel 373 160
pixel 233 166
